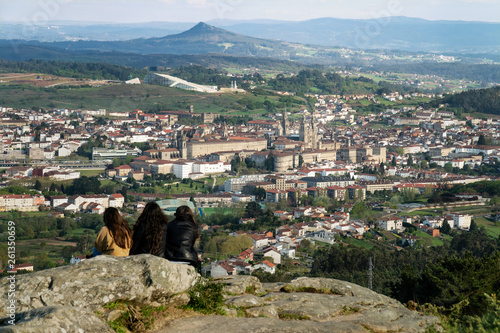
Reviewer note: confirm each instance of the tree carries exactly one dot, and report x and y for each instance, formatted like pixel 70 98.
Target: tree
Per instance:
pixel 382 168
pixel 481 140
pixel 235 245
pixel 394 162
pixel 85 242
pixel 52 187
pixel 448 167
pixel 410 160
pixel 253 210
pixel 445 228
pixel 260 193
pixel 269 163
pixel 301 160
pixel 38 185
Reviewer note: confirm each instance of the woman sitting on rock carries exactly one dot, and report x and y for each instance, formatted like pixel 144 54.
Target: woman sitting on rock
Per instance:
pixel 150 231
pixel 181 236
pixel 114 239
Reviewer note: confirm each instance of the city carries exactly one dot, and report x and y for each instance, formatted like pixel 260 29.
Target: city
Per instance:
pixel 304 164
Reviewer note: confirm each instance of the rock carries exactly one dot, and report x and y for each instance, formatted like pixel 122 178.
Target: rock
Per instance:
pixel 65 299
pixel 268 311
pixel 217 324
pixel 318 305
pixel 240 284
pixel 142 279
pixel 245 301
pixel 114 315
pixel 56 319
pixel 273 287
pixel 230 312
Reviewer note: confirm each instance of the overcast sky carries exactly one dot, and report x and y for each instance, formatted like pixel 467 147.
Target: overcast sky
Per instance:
pixel 41 11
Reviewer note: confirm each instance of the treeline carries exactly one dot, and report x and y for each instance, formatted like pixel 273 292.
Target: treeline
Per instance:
pixel 20 51
pixel 485 188
pixel 77 70
pixel 315 81
pixel 477 100
pixel 455 70
pixel 211 76
pixel 458 276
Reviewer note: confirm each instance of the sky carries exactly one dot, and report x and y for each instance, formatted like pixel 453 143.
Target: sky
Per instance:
pixel 128 11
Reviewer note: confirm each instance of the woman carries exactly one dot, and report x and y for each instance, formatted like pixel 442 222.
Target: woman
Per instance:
pixel 150 231
pixel 114 239
pixel 181 236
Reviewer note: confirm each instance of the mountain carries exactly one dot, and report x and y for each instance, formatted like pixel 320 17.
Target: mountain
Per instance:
pixel 200 39
pixel 395 33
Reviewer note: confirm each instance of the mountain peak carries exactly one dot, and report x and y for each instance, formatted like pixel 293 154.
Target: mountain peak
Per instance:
pixel 203 27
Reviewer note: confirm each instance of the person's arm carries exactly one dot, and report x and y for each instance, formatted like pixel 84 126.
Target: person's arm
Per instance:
pixel 103 240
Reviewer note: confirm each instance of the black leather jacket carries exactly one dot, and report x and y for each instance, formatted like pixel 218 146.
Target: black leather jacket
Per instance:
pixel 181 236
pixel 141 246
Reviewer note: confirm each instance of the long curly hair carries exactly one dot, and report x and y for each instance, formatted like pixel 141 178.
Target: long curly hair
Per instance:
pixel 184 213
pixel 153 219
pixel 118 227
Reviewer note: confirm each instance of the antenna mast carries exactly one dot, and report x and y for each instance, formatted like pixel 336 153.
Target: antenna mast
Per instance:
pixel 370 275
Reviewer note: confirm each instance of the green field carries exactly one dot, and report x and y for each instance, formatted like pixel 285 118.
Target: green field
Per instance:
pixel 492 228
pixel 30 249
pixel 130 97
pixel 428 240
pixel 432 212
pixel 91 173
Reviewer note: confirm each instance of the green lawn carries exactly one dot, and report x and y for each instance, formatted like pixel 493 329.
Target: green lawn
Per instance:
pixel 91 173
pixel 129 97
pixel 492 228
pixel 433 212
pixel 428 240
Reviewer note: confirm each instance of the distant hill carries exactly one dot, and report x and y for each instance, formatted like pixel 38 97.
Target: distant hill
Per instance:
pixel 22 51
pixel 200 39
pixel 395 33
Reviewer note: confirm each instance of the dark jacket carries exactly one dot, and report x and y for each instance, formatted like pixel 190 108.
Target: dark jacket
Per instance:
pixel 181 236
pixel 140 245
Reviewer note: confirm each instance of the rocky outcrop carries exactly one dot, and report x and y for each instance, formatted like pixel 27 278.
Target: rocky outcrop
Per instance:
pixel 310 305
pixel 57 319
pixel 71 299
pixel 143 279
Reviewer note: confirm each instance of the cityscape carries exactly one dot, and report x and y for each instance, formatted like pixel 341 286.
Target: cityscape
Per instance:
pixel 310 168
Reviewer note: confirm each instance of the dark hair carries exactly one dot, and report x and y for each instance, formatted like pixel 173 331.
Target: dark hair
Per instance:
pixel 186 214
pixel 153 219
pixel 118 227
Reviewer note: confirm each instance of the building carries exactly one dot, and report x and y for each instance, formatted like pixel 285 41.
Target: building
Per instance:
pixel 175 82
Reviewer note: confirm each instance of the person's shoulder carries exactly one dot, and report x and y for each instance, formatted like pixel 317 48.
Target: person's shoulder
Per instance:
pixel 104 229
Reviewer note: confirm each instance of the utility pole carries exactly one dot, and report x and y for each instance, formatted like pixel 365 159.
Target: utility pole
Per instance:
pixel 370 275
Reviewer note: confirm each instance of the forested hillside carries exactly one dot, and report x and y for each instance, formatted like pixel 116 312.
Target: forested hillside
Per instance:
pixel 452 70
pixel 72 69
pixel 315 81
pixel 458 278
pixel 479 100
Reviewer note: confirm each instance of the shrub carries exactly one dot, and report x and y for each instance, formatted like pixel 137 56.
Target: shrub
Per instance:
pixel 206 297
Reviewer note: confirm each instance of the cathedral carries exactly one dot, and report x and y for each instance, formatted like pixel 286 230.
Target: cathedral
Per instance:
pixel 308 133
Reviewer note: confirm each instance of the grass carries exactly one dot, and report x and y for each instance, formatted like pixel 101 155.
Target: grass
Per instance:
pixel 433 212
pixel 91 173
pixel 28 250
pixel 492 228
pixel 428 240
pixel 127 98
pixel 293 316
